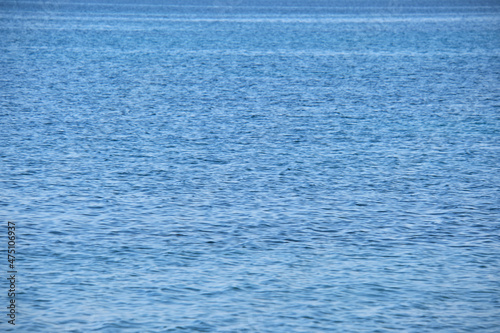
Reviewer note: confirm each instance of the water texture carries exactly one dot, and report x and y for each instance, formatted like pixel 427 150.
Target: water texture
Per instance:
pixel 239 166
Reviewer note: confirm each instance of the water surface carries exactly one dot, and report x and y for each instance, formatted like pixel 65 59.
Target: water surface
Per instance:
pixel 252 167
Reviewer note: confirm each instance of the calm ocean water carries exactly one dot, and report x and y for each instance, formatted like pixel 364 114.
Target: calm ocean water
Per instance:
pixel 251 166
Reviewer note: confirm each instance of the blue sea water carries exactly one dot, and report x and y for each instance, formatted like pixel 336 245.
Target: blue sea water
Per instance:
pixel 251 166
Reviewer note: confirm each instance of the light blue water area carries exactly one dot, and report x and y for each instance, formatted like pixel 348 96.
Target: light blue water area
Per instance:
pixel 251 166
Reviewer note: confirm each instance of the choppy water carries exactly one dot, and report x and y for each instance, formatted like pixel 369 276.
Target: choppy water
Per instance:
pixel 252 166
